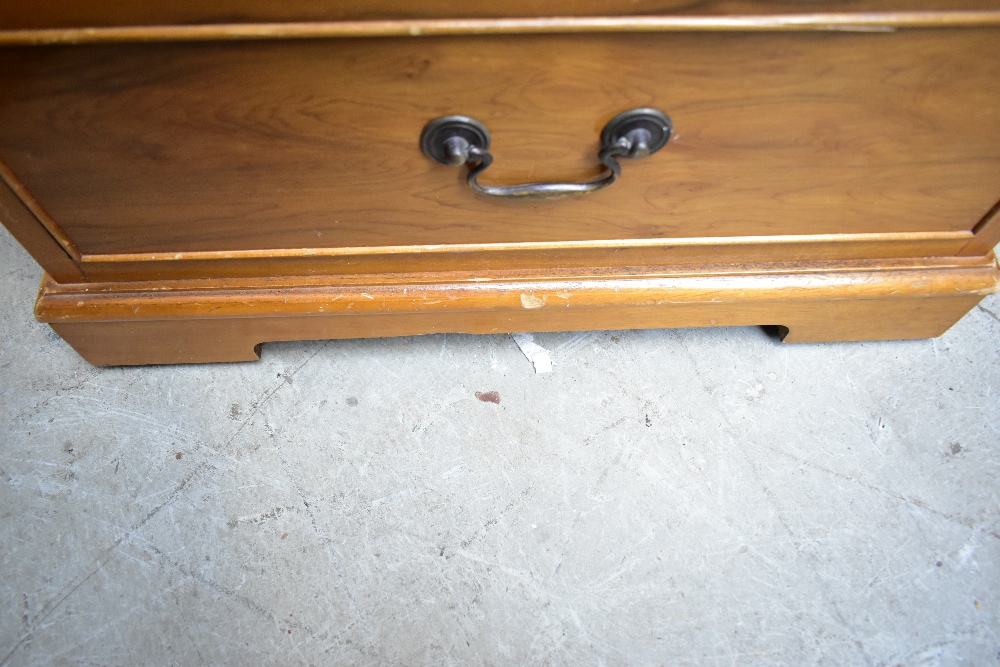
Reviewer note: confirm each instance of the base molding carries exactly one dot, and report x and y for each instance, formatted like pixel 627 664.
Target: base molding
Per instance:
pixel 211 320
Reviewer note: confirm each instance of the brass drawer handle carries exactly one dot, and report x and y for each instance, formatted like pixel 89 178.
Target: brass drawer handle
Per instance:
pixel 458 140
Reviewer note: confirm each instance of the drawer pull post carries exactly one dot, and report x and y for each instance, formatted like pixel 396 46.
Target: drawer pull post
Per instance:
pixel 458 140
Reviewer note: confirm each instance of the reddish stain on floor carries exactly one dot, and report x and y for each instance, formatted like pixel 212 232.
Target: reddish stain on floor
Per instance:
pixel 489 396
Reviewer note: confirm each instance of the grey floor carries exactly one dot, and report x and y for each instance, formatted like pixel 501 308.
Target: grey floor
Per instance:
pixel 688 497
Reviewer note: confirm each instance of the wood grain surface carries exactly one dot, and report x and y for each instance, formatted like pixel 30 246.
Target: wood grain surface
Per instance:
pixel 220 320
pixel 170 148
pixel 74 13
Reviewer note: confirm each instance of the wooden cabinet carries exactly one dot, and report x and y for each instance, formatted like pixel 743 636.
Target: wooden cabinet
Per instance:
pixel 197 179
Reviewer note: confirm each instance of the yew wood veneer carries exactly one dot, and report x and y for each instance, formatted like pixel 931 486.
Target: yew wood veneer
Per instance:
pixel 199 178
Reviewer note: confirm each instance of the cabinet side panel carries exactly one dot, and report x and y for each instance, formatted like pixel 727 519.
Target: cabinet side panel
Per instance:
pixel 987 234
pixel 30 233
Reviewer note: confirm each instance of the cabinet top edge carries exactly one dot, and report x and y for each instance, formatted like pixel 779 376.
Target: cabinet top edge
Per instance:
pixel 835 22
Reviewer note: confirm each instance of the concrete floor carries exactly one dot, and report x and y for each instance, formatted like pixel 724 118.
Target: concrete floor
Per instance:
pixel 688 497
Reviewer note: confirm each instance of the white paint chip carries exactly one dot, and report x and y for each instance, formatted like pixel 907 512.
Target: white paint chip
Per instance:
pixel 536 354
pixel 530 301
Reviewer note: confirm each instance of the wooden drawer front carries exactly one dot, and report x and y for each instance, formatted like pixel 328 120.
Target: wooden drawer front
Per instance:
pixel 188 147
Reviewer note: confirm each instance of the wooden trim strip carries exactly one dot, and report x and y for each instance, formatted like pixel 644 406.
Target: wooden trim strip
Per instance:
pixel 860 22
pixel 402 279
pixel 899 237
pixel 511 292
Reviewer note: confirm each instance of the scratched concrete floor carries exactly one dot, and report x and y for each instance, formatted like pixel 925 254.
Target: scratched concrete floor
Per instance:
pixel 699 497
